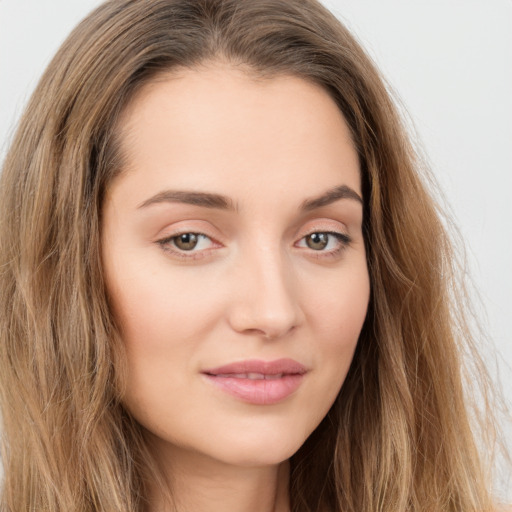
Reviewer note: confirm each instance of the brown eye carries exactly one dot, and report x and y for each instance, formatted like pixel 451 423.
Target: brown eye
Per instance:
pixel 317 241
pixel 188 245
pixel 186 241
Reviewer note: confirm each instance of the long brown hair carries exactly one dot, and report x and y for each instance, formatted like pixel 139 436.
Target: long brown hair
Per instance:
pixel 399 436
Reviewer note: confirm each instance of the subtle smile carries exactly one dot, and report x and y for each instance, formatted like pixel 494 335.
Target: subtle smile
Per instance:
pixel 258 382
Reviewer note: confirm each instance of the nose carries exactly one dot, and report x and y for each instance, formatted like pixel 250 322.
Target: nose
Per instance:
pixel 266 302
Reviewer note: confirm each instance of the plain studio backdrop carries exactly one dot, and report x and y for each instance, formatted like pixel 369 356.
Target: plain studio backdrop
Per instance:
pixel 449 62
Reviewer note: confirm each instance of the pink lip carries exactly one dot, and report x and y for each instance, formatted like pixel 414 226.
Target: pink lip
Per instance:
pixel 270 382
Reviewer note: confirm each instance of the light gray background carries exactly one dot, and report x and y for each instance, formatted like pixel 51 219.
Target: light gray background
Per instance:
pixel 450 61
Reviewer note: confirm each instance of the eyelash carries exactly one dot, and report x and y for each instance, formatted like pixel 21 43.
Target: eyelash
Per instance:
pixel 343 240
pixel 167 244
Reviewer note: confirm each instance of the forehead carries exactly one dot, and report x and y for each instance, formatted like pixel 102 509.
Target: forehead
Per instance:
pixel 217 123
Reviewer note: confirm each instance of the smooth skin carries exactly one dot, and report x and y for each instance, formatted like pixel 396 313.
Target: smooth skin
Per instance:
pixel 233 233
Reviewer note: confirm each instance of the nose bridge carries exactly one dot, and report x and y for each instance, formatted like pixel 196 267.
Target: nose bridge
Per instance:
pixel 267 302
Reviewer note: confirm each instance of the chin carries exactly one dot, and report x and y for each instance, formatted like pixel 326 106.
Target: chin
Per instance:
pixel 262 457
pixel 265 448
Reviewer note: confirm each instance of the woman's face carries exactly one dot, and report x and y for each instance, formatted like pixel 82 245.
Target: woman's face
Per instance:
pixel 235 262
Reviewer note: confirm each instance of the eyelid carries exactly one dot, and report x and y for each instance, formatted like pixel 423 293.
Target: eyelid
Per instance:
pixel 189 225
pixel 323 225
pixel 331 227
pixel 166 241
pixel 327 226
pixel 343 239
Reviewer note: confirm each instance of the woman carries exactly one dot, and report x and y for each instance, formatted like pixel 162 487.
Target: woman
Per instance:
pixel 224 283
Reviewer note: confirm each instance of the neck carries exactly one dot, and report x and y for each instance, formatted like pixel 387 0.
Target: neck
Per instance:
pixel 201 484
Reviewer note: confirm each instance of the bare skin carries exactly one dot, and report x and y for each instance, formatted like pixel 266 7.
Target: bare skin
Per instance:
pixel 211 487
pixel 234 237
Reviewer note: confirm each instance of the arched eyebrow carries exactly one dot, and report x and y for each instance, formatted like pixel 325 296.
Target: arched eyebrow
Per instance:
pixel 220 202
pixel 331 196
pixel 204 199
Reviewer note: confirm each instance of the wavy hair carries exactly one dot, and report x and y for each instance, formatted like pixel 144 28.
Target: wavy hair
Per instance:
pixel 400 436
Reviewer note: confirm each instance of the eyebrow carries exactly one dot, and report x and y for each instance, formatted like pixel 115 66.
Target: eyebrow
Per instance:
pixel 220 202
pixel 331 196
pixel 204 199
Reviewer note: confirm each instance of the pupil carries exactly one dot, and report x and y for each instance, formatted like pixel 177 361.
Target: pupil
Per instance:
pixel 187 241
pixel 317 241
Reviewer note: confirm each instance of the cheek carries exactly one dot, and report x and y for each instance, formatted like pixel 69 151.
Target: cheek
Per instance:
pixel 337 315
pixel 159 308
pixel 164 318
pixel 337 308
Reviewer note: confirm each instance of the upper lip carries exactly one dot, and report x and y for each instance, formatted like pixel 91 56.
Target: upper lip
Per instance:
pixel 276 367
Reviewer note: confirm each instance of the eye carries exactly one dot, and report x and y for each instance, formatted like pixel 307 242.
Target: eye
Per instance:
pixel 186 242
pixel 325 241
pixel 317 241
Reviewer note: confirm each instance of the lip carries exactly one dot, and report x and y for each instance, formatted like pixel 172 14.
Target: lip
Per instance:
pixel 258 382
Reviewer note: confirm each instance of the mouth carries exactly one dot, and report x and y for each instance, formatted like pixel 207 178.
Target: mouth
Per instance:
pixel 250 376
pixel 258 382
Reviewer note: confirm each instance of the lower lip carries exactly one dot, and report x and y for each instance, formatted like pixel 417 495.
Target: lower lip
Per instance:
pixel 258 391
